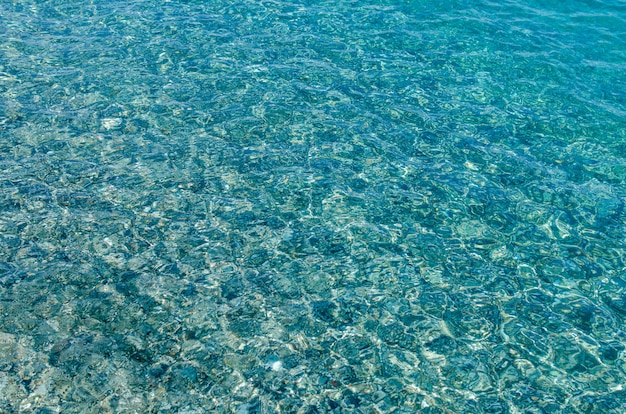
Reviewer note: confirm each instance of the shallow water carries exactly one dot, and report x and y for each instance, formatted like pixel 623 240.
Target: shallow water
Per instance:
pixel 273 206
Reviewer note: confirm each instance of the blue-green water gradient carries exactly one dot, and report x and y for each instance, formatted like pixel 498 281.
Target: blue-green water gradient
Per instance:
pixel 309 207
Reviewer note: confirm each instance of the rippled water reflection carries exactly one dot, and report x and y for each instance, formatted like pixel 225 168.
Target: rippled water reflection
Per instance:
pixel 258 207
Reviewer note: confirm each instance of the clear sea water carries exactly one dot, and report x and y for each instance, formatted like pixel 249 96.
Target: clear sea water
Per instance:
pixel 312 206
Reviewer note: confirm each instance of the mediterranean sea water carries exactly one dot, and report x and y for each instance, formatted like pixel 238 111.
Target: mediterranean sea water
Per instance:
pixel 289 206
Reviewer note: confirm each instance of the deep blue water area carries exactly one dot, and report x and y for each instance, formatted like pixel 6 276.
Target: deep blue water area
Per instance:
pixel 312 207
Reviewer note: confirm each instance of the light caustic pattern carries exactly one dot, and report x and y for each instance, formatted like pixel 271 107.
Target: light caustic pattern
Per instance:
pixel 259 207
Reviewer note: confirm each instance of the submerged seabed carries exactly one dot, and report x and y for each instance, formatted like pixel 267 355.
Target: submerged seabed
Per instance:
pixel 259 207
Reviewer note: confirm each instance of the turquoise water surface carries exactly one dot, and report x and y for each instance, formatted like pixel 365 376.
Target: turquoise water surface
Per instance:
pixel 312 207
